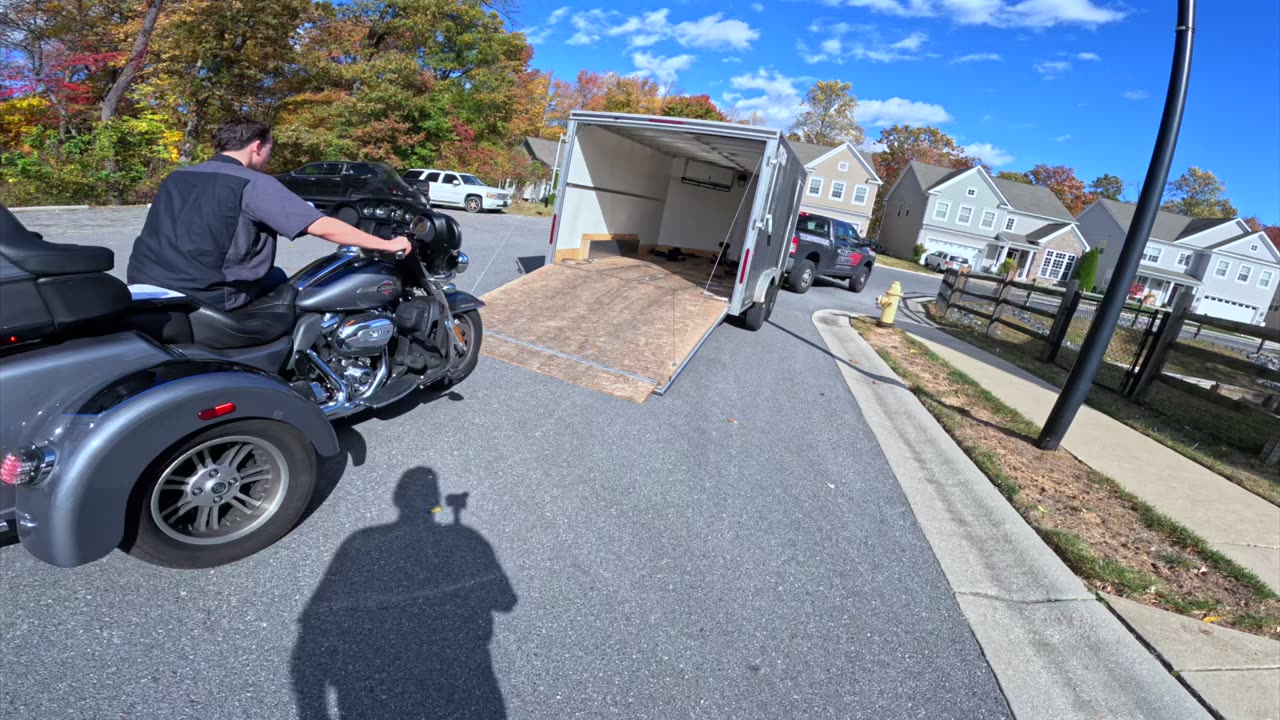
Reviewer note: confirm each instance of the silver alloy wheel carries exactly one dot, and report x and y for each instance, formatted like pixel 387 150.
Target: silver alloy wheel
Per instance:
pixel 473 204
pixel 220 490
pixel 807 278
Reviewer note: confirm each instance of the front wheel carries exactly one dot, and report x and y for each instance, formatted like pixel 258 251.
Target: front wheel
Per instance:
pixel 222 495
pixel 474 204
pixel 859 279
pixel 470 333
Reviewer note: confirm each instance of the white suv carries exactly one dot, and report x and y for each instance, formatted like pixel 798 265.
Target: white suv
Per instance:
pixel 446 187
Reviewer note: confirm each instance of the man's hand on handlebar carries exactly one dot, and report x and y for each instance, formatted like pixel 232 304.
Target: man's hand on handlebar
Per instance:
pixel 400 246
pixel 337 231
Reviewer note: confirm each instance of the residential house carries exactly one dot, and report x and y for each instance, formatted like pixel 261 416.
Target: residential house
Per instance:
pixel 985 220
pixel 842 183
pixel 1233 271
pixel 546 153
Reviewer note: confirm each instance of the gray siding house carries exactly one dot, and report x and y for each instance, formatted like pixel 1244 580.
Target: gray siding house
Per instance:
pixel 841 184
pixel 986 220
pixel 545 153
pixel 1233 271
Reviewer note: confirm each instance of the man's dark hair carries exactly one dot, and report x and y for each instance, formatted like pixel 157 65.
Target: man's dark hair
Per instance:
pixel 239 134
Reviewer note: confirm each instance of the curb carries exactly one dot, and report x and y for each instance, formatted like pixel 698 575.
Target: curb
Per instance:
pixel 55 208
pixel 1055 650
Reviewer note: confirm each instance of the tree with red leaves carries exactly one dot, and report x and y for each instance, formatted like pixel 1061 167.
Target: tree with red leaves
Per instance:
pixel 905 143
pixel 1062 181
pixel 697 107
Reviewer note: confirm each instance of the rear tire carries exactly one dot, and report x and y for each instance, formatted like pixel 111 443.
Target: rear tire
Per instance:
pixel 801 277
pixel 473 330
pixel 473 204
pixel 758 314
pixel 264 494
pixel 859 279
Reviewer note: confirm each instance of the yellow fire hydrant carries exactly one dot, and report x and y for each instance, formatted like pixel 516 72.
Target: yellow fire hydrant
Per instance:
pixel 888 304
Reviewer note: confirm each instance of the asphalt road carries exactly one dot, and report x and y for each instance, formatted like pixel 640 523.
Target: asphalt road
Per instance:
pixel 736 549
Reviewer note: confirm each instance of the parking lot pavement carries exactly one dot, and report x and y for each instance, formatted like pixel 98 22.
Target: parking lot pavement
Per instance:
pixel 736 549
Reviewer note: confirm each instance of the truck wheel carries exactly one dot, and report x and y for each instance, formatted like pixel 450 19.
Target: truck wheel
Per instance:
pixel 474 204
pixel 756 315
pixel 801 277
pixel 859 279
pixel 222 495
pixel 472 332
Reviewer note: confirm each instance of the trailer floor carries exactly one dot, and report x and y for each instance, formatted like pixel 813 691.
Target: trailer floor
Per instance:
pixel 618 325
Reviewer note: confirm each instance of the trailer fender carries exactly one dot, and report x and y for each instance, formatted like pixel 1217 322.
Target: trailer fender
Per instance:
pixel 772 276
pixel 78 513
pixel 460 301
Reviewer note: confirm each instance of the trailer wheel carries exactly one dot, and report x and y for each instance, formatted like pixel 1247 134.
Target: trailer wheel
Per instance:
pixel 756 315
pixel 221 495
pixel 474 204
pixel 802 277
pixel 859 279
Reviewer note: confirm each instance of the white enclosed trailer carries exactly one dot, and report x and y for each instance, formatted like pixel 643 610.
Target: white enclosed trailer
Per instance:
pixel 662 227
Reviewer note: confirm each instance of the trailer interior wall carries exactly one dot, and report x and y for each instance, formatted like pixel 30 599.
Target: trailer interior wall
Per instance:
pixel 613 186
pixel 698 218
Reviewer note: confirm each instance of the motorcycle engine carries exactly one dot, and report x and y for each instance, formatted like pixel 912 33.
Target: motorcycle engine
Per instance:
pixel 363 334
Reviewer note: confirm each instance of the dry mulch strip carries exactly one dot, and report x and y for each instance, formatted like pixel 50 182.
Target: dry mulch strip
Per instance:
pixel 1116 543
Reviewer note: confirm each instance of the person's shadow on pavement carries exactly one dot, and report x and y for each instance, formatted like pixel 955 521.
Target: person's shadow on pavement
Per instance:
pixel 400 626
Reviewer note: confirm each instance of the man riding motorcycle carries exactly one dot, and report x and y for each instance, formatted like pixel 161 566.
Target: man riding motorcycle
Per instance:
pixel 211 231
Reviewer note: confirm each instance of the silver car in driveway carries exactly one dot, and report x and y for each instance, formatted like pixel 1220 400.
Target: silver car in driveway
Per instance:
pixel 943 262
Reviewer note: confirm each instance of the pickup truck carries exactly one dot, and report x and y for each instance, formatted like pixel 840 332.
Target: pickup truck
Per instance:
pixel 826 246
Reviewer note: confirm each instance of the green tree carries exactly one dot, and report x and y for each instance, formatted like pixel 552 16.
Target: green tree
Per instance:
pixel 828 117
pixel 698 107
pixel 1107 186
pixel 1014 176
pixel 1198 193
pixel 1087 269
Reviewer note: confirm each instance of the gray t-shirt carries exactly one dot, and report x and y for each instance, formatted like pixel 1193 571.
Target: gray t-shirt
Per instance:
pixel 211 232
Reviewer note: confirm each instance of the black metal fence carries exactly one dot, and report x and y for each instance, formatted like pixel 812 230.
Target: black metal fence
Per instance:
pixel 1132 337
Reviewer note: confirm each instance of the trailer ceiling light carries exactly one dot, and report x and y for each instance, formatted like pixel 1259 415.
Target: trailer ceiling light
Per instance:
pixel 24 467
pixel 216 411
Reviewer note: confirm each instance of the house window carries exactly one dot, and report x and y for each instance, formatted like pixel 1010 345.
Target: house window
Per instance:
pixel 1056 265
pixel 843 167
pixel 860 193
pixel 1010 224
pixel 971 192
pixel 965 215
pixel 1244 273
pixel 815 186
pixel 1264 279
pixel 988 219
pixel 1222 269
pixel 941 210
pixel 1152 254
pixel 1184 259
pixel 1253 247
pixel 837 189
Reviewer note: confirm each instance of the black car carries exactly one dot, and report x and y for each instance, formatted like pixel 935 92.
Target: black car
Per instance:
pixel 826 246
pixel 324 183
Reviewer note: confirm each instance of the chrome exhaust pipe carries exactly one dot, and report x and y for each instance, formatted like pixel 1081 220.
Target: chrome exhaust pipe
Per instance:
pixel 339 401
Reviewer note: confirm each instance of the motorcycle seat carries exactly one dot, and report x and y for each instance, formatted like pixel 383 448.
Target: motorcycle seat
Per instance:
pixel 262 321
pixel 30 252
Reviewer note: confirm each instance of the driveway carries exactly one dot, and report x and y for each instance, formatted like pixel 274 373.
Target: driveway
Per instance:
pixel 736 549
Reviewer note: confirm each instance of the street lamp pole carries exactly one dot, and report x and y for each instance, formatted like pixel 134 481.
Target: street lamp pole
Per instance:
pixel 1094 349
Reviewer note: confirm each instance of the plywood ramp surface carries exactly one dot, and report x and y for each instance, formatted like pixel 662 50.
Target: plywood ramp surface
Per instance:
pixel 637 318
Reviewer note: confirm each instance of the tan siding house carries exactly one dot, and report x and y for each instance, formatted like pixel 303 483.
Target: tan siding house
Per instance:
pixel 841 183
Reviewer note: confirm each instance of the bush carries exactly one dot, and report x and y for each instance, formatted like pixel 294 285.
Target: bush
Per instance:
pixel 1087 270
pixel 1009 265
pixel 918 252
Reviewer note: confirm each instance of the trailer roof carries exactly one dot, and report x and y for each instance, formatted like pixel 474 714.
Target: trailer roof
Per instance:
pixel 718 143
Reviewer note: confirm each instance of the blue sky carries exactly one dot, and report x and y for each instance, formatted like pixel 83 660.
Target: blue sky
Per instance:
pixel 1063 82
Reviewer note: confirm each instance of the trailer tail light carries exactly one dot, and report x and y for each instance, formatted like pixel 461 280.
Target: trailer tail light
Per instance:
pixel 665 121
pixel 746 260
pixel 795 244
pixel 26 467
pixel 216 411
pixel 551 239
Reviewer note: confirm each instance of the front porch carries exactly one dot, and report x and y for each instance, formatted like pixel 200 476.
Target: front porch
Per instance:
pixel 1002 249
pixel 1160 288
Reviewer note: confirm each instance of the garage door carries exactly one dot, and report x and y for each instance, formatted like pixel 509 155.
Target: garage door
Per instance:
pixel 1227 309
pixel 953 248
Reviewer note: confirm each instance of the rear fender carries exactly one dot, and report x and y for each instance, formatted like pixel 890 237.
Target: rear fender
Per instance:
pixel 78 514
pixel 772 276
pixel 460 301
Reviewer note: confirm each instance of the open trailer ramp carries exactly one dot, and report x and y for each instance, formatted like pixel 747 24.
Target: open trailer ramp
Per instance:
pixel 618 325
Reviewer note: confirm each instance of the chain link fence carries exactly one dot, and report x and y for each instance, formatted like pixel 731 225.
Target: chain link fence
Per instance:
pixel 1131 339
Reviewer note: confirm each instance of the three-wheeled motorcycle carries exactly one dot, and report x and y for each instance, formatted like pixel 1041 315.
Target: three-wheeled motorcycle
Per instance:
pixel 135 417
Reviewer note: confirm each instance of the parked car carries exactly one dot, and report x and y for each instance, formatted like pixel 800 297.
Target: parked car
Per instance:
pixel 324 183
pixel 827 246
pixel 943 261
pixel 458 189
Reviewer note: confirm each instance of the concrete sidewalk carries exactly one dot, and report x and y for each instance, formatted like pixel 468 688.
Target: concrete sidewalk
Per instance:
pixel 1237 523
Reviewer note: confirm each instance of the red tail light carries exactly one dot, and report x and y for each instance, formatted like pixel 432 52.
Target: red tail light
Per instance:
pixel 746 260
pixel 795 243
pixel 552 238
pixel 216 411
pixel 27 466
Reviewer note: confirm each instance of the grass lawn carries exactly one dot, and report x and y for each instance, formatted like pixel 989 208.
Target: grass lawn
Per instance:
pixel 1223 440
pixel 1113 540
pixel 521 207
pixel 901 264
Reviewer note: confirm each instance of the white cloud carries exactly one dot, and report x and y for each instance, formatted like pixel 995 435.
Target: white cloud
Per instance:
pixel 777 99
pixel 732 59
pixel 998 13
pixel 874 147
pixel 989 154
pixel 663 69
pixel 758 7
pixel 976 57
pixel 866 45
pixel 1135 95
pixel 539 33
pixel 712 31
pixel 897 111
pixel 1052 69
pixel 911 42
pixel 1062 138
pixel 1088 56
pixel 558 15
